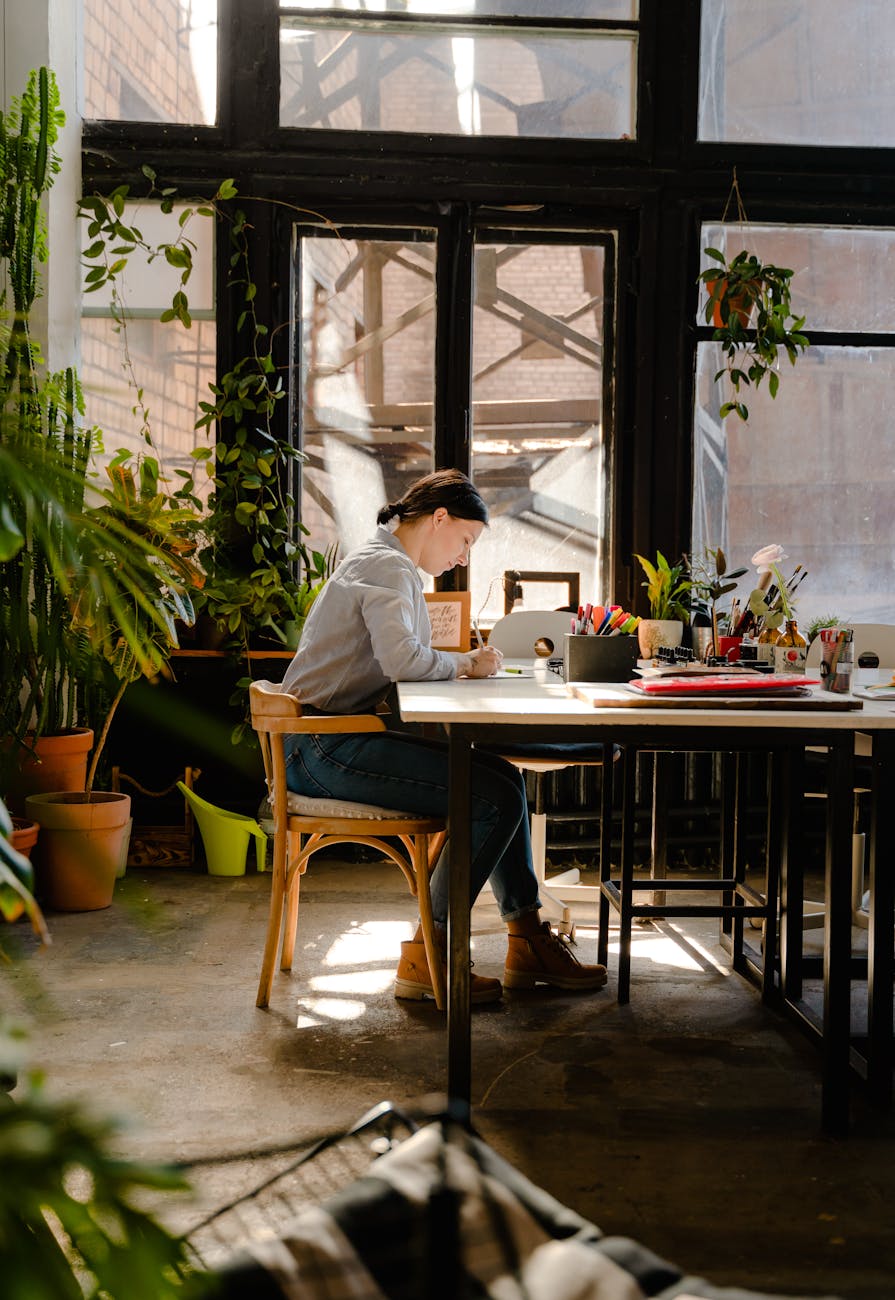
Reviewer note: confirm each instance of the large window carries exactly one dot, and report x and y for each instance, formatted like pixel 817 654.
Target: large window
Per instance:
pixel 811 72
pixel 461 69
pixel 813 469
pixel 538 394
pixel 146 366
pixel 150 62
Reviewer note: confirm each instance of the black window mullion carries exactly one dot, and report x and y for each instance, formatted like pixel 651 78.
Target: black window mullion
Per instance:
pixel 249 71
pixel 453 344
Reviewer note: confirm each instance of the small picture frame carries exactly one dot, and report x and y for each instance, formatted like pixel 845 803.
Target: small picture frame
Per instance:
pixel 449 616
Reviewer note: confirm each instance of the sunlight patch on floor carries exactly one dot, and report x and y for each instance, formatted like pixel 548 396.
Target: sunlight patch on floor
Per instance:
pixel 314 1011
pixel 661 950
pixel 368 941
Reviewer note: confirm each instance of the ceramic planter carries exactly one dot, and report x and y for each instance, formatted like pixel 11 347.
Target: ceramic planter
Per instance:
pixel 79 851
pixel 655 632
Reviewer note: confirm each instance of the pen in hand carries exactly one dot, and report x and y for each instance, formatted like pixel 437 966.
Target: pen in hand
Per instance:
pixel 478 634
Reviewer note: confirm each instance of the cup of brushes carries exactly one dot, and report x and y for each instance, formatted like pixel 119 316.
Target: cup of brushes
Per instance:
pixel 600 646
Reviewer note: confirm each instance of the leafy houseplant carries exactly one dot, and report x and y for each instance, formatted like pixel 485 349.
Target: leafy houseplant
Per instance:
pixel 749 303
pixel 666 588
pixel 709 581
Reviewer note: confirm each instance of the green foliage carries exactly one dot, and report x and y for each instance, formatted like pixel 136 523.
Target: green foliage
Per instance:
pixel 710 580
pixel 139 628
pixel 71 1223
pixel 70 564
pixel 666 588
pixel 757 322
pixel 261 577
pixel 817 624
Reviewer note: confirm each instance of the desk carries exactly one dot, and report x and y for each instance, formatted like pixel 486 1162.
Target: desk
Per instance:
pixel 540 709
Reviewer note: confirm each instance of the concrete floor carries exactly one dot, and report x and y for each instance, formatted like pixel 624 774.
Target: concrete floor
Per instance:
pixel 688 1119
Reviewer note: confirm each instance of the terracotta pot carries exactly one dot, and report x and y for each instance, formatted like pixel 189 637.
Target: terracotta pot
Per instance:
pixel 740 305
pixel 79 851
pixel 655 632
pixel 24 835
pixel 58 763
pixel 23 838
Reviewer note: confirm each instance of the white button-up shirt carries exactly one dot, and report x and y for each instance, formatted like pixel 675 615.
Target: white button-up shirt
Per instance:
pixel 368 628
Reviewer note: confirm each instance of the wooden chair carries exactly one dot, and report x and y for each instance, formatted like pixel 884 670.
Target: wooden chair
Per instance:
pixel 303 825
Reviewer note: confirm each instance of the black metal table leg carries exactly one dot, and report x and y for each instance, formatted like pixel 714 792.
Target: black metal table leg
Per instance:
pixel 836 1042
pixel 628 760
pixel 458 1005
pixel 605 860
pixel 880 960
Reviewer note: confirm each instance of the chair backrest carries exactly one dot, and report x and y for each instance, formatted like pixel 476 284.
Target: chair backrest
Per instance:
pixel 276 713
pixel 870 638
pixel 530 633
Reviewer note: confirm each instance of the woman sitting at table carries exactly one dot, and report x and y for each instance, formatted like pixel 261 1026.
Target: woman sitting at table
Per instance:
pixel 368 629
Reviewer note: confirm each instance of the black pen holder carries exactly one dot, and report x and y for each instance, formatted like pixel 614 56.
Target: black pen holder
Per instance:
pixel 599 658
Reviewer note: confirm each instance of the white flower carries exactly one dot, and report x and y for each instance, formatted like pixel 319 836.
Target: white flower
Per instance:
pixel 767 557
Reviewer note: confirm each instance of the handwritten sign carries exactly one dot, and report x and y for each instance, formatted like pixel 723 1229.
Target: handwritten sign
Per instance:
pixel 449 616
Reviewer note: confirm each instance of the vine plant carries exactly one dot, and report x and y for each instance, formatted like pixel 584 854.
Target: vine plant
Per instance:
pixel 261 578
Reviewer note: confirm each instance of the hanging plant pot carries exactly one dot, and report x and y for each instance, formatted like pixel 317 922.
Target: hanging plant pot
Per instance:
pixel 78 854
pixel 51 763
pixel 739 305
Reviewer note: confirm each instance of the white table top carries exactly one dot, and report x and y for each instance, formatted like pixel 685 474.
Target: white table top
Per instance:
pixel 548 701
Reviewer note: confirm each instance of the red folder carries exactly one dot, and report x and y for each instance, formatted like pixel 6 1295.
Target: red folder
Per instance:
pixel 748 684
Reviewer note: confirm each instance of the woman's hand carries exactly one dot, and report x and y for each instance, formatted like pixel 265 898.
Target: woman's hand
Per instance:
pixel 480 663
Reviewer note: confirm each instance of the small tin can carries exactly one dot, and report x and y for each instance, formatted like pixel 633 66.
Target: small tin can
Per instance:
pixel 836 659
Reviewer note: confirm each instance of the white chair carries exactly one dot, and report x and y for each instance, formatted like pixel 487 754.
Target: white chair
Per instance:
pixel 303 825
pixel 874 643
pixel 531 635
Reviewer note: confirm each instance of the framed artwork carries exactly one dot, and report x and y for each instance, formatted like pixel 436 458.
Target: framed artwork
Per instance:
pixel 449 616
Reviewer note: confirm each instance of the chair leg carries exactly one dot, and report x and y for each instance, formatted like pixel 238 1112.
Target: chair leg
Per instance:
pixel 552 905
pixel 274 925
pixel 422 866
pixel 290 907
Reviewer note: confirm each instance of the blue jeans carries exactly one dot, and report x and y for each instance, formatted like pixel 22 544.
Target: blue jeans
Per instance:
pixel 397 770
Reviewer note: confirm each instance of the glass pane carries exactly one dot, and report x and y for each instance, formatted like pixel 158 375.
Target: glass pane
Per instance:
pixel 613 10
pixel 539 447
pixel 174 366
pixel 437 81
pixel 844 277
pixel 368 336
pixel 148 286
pixel 813 470
pixel 153 62
pixel 797 72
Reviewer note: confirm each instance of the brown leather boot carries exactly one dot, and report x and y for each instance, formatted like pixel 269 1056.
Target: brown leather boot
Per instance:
pixel 545 958
pixel 412 979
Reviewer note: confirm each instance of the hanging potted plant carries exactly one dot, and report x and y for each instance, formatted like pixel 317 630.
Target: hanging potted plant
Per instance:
pixel 749 303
